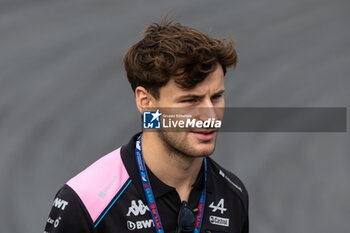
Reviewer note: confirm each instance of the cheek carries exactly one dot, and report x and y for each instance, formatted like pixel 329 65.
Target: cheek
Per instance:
pixel 220 108
pixel 220 113
pixel 221 103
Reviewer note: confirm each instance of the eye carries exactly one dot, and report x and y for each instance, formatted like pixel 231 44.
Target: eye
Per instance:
pixel 218 96
pixel 188 100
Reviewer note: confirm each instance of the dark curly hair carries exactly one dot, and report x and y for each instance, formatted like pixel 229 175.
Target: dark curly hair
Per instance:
pixel 171 50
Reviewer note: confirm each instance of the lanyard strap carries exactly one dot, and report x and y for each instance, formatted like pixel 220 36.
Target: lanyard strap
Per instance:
pixel 150 197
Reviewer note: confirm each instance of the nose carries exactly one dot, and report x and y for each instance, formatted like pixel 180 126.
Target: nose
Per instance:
pixel 207 110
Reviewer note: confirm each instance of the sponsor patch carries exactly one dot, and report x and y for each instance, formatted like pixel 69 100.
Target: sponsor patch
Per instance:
pixel 103 192
pixel 138 225
pixel 215 220
pixel 220 206
pixel 229 180
pixel 59 203
pixel 137 209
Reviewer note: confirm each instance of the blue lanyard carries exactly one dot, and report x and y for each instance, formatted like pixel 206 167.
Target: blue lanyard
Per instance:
pixel 149 194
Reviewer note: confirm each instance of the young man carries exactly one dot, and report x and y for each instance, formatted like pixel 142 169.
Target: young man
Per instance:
pixel 164 180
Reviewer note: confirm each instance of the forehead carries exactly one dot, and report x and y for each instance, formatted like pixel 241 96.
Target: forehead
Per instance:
pixel 211 84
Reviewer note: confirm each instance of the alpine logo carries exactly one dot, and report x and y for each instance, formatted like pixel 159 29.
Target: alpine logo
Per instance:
pixel 225 222
pixel 220 206
pixel 136 210
pixel 59 203
pixel 144 224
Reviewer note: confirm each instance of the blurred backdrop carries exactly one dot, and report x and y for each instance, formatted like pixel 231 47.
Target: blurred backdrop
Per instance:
pixel 65 100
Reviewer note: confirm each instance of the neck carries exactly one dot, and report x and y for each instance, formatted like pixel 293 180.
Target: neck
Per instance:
pixel 173 169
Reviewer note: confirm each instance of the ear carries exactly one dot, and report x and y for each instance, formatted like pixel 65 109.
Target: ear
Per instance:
pixel 144 99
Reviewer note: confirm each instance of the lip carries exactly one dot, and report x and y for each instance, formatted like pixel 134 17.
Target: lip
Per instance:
pixel 204 135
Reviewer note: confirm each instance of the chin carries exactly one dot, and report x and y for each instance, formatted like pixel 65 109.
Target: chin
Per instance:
pixel 187 145
pixel 203 150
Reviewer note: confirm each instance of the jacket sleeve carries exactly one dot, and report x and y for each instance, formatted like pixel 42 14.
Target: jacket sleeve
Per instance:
pixel 68 214
pixel 245 228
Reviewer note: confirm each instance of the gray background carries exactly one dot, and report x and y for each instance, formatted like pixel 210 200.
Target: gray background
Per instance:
pixel 65 100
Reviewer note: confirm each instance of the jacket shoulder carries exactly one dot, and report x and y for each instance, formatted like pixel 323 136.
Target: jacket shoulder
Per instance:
pixel 231 181
pixel 68 214
pixel 98 184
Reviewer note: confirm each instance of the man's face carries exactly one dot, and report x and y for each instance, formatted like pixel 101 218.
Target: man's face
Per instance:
pixel 201 101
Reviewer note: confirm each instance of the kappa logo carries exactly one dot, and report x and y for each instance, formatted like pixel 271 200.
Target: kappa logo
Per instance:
pixel 220 206
pixel 59 203
pixel 137 209
pixel 144 224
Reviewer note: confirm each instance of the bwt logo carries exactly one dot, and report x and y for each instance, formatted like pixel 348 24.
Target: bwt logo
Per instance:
pixel 60 204
pixel 151 120
pixel 143 224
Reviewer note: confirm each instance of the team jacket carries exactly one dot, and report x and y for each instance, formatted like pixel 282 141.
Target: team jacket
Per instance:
pixel 108 197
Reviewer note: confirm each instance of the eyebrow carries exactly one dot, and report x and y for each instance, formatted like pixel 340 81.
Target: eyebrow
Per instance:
pixel 220 92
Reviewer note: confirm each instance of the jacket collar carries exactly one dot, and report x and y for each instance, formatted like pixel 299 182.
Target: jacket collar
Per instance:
pixel 158 187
